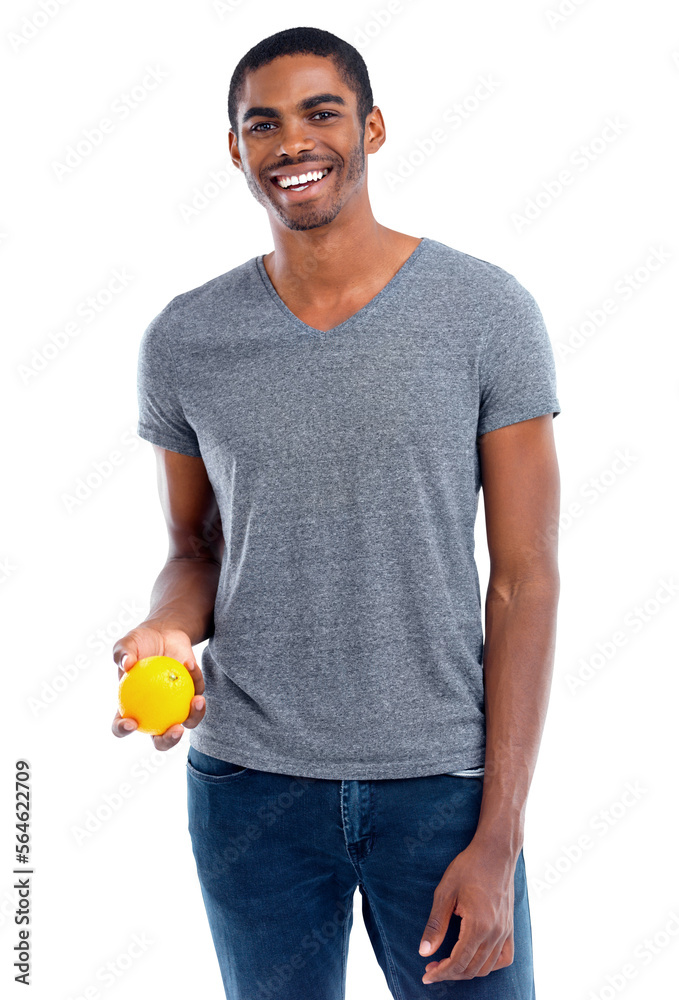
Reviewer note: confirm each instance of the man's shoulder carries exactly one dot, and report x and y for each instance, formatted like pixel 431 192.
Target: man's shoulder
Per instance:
pixel 470 269
pixel 484 287
pixel 223 288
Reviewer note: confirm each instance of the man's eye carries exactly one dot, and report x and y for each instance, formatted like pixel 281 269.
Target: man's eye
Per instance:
pixel 259 126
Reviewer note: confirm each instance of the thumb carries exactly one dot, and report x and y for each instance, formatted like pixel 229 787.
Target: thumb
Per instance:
pixel 125 659
pixel 436 927
pixel 125 654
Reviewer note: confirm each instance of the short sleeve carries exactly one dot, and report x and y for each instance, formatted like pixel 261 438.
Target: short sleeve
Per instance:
pixel 162 420
pixel 517 376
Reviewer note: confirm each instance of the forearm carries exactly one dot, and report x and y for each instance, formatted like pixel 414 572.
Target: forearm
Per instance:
pixel 517 668
pixel 183 596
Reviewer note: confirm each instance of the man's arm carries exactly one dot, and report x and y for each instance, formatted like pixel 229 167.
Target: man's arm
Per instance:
pixel 183 596
pixel 521 490
pixel 520 479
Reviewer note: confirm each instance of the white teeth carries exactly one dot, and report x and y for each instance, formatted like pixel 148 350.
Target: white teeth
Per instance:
pixel 313 175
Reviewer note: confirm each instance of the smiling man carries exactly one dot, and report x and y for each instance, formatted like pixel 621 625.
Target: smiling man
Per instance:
pixel 324 417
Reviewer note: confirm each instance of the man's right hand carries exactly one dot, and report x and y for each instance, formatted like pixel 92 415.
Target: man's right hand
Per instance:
pixel 154 640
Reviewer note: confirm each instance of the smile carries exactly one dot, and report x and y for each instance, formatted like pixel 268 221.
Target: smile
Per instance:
pixel 300 182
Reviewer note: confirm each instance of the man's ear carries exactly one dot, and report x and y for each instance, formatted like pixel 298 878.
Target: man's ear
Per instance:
pixel 234 152
pixel 375 130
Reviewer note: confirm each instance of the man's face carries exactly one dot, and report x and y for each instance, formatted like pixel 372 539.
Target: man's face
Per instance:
pixel 296 115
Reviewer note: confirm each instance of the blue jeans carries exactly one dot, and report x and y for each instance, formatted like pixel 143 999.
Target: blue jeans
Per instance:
pixel 279 858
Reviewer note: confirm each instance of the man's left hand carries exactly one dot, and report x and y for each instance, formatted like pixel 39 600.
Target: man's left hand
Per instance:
pixel 478 886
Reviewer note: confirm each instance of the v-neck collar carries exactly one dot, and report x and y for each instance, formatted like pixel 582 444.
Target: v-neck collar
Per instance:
pixel 383 292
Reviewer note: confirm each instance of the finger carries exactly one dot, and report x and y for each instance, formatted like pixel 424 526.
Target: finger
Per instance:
pixel 479 960
pixel 431 966
pixel 122 726
pixel 466 947
pixel 170 738
pixel 196 675
pixel 197 712
pixel 443 972
pixel 506 956
pixel 463 953
pixel 491 962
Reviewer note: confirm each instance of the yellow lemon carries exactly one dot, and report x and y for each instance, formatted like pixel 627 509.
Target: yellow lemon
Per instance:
pixel 156 692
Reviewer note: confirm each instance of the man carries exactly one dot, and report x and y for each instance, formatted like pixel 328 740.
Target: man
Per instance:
pixel 323 417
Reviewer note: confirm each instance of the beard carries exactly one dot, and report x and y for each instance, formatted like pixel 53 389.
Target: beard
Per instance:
pixel 305 215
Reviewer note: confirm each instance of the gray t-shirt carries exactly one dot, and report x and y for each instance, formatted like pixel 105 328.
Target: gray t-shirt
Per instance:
pixel 348 637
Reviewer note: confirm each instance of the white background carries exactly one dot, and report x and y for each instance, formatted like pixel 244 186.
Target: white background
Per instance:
pixel 72 570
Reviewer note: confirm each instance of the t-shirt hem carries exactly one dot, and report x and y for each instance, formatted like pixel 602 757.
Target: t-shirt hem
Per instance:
pixel 164 441
pixel 516 416
pixel 344 770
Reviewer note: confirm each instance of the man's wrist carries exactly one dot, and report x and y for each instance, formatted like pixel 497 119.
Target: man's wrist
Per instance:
pixel 501 818
pixel 167 626
pixel 504 837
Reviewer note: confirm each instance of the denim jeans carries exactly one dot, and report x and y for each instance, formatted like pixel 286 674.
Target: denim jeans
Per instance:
pixel 279 858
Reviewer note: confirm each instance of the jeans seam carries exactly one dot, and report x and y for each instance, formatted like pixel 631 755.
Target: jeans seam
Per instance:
pixel 344 832
pixel 387 951
pixel 345 948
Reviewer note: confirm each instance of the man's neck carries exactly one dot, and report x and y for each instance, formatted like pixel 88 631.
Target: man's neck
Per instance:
pixel 315 267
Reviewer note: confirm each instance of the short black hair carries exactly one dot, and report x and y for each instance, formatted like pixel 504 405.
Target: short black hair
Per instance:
pixel 308 41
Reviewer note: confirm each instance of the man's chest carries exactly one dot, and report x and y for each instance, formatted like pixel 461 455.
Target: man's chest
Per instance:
pixel 275 392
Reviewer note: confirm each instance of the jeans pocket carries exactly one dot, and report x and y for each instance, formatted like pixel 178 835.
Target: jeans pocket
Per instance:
pixel 207 768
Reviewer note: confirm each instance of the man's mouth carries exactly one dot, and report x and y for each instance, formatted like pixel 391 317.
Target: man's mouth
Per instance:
pixel 302 181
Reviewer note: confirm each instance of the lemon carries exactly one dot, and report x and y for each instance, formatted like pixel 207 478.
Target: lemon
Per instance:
pixel 156 692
